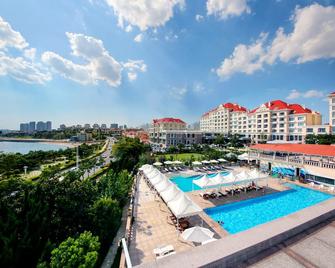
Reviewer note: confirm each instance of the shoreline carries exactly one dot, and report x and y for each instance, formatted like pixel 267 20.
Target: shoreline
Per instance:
pixel 46 141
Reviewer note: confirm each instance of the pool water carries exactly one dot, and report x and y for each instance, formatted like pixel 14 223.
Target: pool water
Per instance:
pixel 286 171
pixel 185 183
pixel 243 215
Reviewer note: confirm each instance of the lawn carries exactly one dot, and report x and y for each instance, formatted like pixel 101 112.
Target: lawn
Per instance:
pixel 181 157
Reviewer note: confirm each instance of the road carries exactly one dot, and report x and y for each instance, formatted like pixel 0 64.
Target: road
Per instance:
pixel 106 160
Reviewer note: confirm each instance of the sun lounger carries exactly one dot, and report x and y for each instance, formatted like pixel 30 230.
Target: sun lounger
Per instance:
pixel 164 251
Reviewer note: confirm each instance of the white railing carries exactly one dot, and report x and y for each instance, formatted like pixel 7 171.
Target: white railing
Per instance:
pixel 296 160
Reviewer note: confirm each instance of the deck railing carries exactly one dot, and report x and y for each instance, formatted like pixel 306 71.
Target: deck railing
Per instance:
pixel 294 159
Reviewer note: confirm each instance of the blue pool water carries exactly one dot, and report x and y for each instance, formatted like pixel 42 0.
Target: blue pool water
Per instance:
pixel 185 183
pixel 243 215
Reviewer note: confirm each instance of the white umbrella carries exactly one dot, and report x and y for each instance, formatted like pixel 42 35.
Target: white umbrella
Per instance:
pixel 197 234
pixel 168 162
pixel 205 162
pixel 177 162
pixel 243 157
pixel 214 161
pixel 196 163
pixel 222 160
pixel 157 164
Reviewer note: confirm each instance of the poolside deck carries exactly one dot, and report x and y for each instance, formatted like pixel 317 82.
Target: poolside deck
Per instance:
pixel 152 227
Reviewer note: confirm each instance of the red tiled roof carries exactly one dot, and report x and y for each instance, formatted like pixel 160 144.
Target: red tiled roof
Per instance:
pixel 168 120
pixel 235 107
pixel 333 93
pixel 282 105
pixel 308 149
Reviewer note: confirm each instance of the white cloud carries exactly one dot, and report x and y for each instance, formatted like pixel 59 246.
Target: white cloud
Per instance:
pixel 245 59
pixel 312 38
pixel 100 64
pixel 22 66
pixel 199 17
pixel 22 70
pixel 223 9
pixel 134 66
pixel 128 29
pixel 178 93
pixel 138 38
pixel 198 87
pixel 144 13
pixel 9 37
pixel 295 94
pixel 30 53
pixel 66 68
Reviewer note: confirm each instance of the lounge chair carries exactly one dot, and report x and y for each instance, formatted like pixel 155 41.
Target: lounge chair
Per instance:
pixel 222 194
pixel 205 196
pixel 164 251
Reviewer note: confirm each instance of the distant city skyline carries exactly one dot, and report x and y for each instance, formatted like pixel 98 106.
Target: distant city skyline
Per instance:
pixel 103 62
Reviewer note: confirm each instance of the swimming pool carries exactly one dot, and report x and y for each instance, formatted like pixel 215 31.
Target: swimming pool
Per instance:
pixel 185 183
pixel 243 215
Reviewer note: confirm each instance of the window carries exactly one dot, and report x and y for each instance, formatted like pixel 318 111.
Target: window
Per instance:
pixel 321 130
pixel 300 118
pixel 291 125
pixel 291 119
pixel 301 124
pixel 309 130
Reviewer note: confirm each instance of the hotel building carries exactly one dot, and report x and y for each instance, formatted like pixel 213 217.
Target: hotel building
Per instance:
pixel 272 121
pixel 167 132
pixel 331 98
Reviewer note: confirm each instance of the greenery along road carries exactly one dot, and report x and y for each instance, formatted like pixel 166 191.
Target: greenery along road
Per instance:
pixel 13 164
pixel 36 217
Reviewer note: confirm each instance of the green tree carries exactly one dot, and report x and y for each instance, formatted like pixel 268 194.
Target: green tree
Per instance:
pixel 76 252
pixel 105 214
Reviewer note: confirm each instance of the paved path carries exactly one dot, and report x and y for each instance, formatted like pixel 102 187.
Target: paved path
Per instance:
pixel 313 248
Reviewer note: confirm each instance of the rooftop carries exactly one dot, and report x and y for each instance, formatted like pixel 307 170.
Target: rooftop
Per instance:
pixel 308 149
pixel 168 120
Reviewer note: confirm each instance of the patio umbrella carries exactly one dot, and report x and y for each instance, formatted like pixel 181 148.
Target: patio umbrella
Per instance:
pixel 168 162
pixel 197 234
pixel 222 160
pixel 205 162
pixel 230 155
pixel 177 162
pixel 196 163
pixel 213 161
pixel 157 164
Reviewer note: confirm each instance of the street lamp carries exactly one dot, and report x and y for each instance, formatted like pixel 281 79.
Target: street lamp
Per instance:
pixel 25 170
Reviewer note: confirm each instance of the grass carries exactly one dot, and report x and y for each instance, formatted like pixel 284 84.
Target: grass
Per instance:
pixel 181 157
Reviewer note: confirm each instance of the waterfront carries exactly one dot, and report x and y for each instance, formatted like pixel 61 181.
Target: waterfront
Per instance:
pixel 26 147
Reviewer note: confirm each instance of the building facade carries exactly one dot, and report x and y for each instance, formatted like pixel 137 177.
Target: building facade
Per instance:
pixel 331 99
pixel 272 121
pixel 166 132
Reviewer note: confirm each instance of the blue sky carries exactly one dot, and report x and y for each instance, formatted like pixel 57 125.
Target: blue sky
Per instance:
pixel 105 61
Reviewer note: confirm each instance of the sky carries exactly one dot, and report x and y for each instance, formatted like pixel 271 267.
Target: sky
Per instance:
pixel 129 61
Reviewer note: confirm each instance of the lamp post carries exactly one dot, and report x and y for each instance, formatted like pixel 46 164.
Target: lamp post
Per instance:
pixel 25 170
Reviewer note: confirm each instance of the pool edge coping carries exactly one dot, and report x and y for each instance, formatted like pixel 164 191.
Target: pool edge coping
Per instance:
pixel 246 244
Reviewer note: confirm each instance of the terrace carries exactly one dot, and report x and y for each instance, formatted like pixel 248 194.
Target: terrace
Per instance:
pixel 153 225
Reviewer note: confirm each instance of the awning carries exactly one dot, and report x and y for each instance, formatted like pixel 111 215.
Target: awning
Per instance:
pixel 183 207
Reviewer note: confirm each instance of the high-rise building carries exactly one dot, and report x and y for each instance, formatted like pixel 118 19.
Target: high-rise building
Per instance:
pixel 32 126
pixel 272 121
pixel 114 125
pixel 48 126
pixel 331 98
pixel 40 126
pixel 96 126
pixel 24 127
pixel 62 127
pixel 103 126
pixel 87 126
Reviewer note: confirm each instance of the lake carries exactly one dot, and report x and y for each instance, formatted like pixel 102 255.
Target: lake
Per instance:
pixel 26 147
